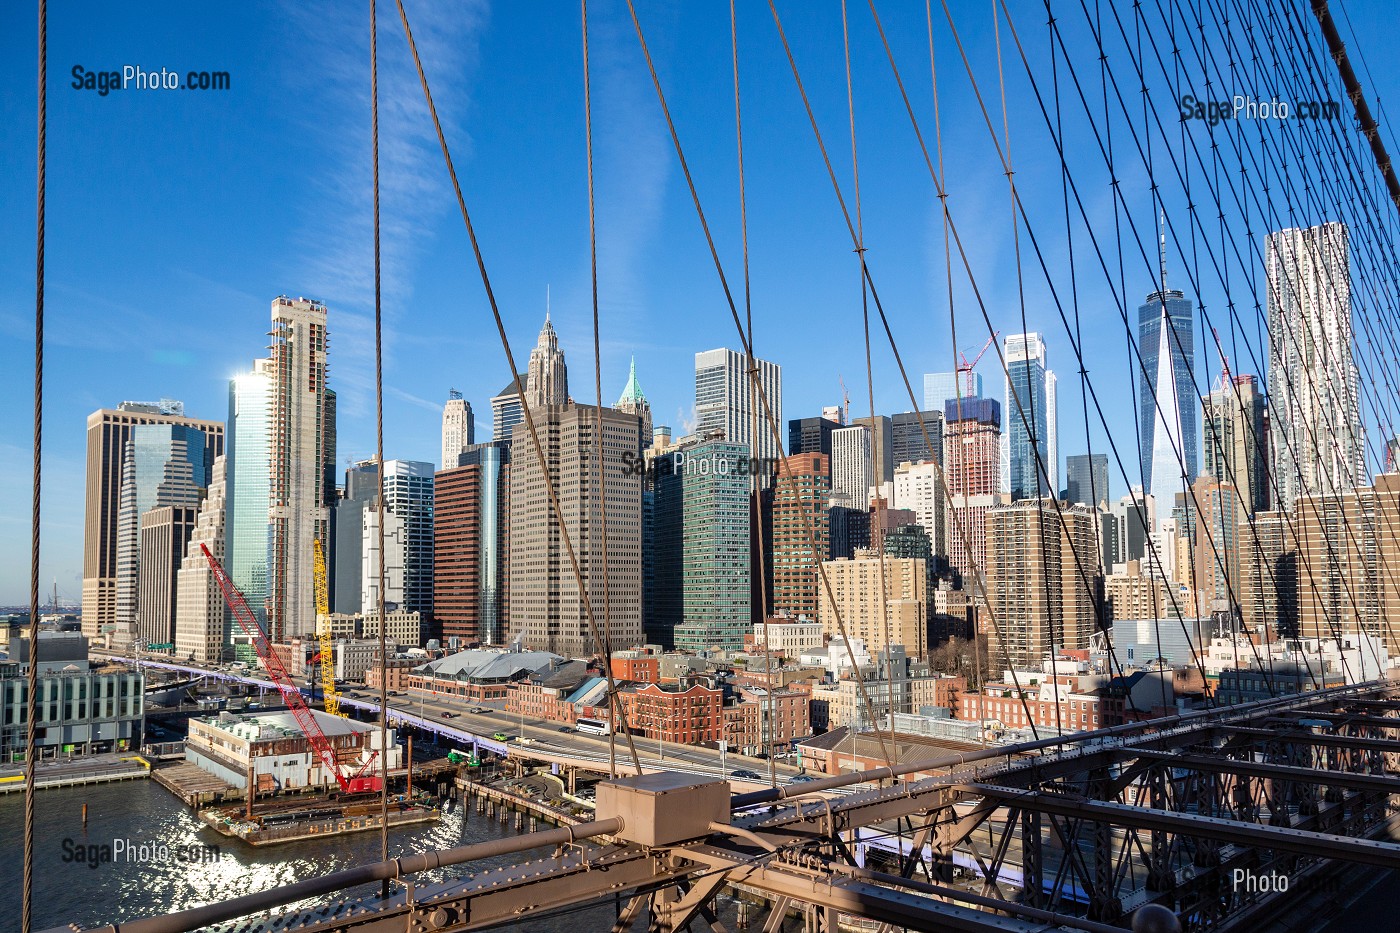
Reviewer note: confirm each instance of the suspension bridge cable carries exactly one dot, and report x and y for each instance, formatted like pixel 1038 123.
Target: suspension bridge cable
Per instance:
pixel 618 710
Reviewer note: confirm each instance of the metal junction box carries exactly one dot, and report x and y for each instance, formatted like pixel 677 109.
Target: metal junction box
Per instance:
pixel 664 808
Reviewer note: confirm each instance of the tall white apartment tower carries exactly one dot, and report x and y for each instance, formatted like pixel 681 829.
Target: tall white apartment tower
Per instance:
pixel 725 401
pixel 199 603
pixel 458 428
pixel 301 425
pixel 850 464
pixel 1316 437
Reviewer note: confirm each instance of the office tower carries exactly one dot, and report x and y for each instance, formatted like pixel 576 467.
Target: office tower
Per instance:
pixel 1318 443
pixel 249 477
pixel 165 530
pixel 919 488
pixel 458 428
pixel 972 468
pixel 939 387
pixel 547 379
pixel 1030 441
pixel 1167 391
pixel 1219 512
pixel 506 411
pixel 1392 455
pixel 547 608
pixel 347 535
pixel 1236 439
pixel 1043 580
pixel 834 414
pixel 882 447
pixel 301 445
pixel 1348 562
pixel 200 612
pixel 108 431
pixel 850 464
pixel 701 540
pixel 470 515
pixel 856 601
pixel 1270 578
pixel 395 559
pixel 634 402
pixel 163 465
pixel 1086 479
pixel 725 401
pixel 1125 527
pixel 907 441
pixel 913 541
pixel 408 493
pixel 811 435
pixel 800 505
pixel 849 529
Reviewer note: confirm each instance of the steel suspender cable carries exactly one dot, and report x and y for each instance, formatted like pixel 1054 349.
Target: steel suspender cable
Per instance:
pixel 32 678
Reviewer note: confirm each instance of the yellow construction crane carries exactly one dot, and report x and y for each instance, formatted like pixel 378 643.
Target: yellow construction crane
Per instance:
pixel 330 694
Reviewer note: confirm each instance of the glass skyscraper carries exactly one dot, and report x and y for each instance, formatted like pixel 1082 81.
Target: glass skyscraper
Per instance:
pixel 939 387
pixel 249 464
pixel 1030 456
pixel 1178 401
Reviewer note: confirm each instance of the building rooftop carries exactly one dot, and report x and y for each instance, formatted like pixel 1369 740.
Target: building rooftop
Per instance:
pixel 482 665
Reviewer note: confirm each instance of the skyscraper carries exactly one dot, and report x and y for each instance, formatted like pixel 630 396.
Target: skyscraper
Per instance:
pixel 907 430
pixel 1318 442
pixel 165 530
pixel 939 387
pixel 881 446
pixel 458 428
pixel 972 465
pixel 547 379
pixel 850 464
pixel 470 520
pixel 634 402
pixel 200 612
pixel 249 478
pixel 302 449
pixel 1166 391
pixel 1030 442
pixel 702 546
pixel 347 535
pixel 506 411
pixel 547 605
pixel 108 431
pixel 725 401
pixel 408 493
pixel 395 560
pixel 918 487
pixel 163 465
pixel 1086 479
pixel 1043 580
pixel 811 435
pixel 795 582
pixel 1236 439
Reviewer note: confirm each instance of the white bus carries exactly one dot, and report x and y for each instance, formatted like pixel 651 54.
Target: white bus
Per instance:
pixel 592 726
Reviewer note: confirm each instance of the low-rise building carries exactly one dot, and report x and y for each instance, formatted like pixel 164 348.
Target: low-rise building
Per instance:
pixel 686 716
pixel 480 674
pixel 273 749
pixel 80 711
pixel 396 673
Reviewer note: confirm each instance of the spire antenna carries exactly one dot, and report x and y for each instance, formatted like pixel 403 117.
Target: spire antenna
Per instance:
pixel 546 302
pixel 1162 245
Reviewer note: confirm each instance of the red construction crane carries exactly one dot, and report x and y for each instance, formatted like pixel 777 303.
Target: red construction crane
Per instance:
pixel 354 784
pixel 965 368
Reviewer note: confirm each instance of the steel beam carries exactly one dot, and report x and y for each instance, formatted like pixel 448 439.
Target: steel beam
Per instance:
pixel 1319 845
pixel 1313 738
pixel 1259 769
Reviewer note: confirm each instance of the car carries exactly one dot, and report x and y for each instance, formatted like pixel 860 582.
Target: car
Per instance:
pixel 501 737
pixel 746 775
pixel 448 715
pixel 566 729
pixel 800 778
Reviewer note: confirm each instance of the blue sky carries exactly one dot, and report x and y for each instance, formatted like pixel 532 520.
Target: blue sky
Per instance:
pixel 175 217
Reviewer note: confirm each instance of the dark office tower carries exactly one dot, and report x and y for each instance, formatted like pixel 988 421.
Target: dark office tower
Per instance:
pixel 470 512
pixel 347 535
pixel 1237 440
pixel 108 432
pixel 506 411
pixel 849 530
pixel 799 504
pixel 810 436
pixel 1031 439
pixel 1167 342
pixel 881 447
pixel 907 437
pixel 1086 479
